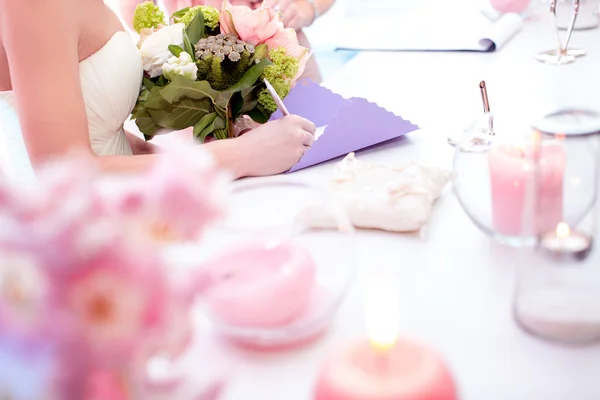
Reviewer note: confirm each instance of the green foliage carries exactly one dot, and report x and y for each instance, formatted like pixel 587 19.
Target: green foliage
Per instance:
pixel 195 30
pixel 224 91
pixel 210 16
pixel 147 15
pixel 175 50
pixel 280 75
pixel 188 45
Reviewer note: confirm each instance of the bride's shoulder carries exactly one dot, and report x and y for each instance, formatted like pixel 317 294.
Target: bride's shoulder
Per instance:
pixel 42 13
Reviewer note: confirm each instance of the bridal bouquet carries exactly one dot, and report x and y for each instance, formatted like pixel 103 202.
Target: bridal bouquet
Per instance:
pixel 86 301
pixel 205 68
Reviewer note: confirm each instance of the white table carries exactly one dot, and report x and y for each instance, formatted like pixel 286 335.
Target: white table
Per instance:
pixel 454 284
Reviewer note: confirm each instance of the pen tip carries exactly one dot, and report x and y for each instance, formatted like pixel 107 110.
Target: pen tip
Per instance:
pixel 482 84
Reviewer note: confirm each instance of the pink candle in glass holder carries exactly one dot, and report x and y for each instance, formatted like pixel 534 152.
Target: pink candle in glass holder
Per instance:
pixel 511 174
pixel 385 367
pixel 263 284
pixel 510 6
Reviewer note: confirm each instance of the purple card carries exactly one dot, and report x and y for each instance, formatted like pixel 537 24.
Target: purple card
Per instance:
pixel 351 124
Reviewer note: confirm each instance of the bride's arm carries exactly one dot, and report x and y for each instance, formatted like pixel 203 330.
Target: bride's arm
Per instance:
pixel 41 41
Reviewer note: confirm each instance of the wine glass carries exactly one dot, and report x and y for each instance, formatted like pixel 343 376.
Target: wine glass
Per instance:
pixel 561 55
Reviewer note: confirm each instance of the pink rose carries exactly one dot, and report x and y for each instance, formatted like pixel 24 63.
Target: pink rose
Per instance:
pixel 252 26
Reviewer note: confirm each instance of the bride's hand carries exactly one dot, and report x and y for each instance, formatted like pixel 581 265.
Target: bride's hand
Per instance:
pixel 276 146
pixel 139 145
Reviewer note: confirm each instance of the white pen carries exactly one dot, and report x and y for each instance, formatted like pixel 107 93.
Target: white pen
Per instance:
pixel 276 98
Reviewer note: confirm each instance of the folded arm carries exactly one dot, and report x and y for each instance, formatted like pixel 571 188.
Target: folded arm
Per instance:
pixel 48 93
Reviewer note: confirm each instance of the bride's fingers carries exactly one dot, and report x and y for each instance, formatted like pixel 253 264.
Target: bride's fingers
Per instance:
pixel 308 139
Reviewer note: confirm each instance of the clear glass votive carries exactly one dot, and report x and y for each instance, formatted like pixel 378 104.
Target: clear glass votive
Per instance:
pixel 272 279
pixel 557 294
pixel 493 176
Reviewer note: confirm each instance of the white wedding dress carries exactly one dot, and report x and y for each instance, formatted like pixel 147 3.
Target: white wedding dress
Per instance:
pixel 110 80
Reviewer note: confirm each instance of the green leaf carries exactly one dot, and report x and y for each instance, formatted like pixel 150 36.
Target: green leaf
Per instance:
pixel 155 99
pixel 162 81
pixel 259 115
pixel 205 126
pixel 175 50
pixel 260 52
pixel 181 87
pixel 148 83
pixel 185 113
pixel 236 104
pixel 145 122
pixel 148 137
pixel 188 46
pixel 180 13
pixel 243 102
pixel 195 30
pixel 251 76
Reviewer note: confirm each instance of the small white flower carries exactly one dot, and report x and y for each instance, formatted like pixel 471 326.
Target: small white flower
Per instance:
pixel 182 65
pixel 155 48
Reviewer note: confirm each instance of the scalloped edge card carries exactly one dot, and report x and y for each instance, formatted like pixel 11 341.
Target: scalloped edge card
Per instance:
pixel 344 125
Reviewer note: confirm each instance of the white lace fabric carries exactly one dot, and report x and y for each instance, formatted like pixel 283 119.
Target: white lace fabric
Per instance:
pixel 110 81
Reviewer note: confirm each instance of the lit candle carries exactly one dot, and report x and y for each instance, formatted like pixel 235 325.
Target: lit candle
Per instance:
pixel 385 367
pixel 511 174
pixel 263 284
pixel 564 244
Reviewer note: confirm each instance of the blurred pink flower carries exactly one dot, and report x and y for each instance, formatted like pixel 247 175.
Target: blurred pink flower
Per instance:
pixel 104 385
pixel 117 300
pixel 192 191
pixel 252 26
pixel 24 294
pixel 70 260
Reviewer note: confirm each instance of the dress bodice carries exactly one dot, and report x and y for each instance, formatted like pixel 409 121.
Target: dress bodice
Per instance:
pixel 110 81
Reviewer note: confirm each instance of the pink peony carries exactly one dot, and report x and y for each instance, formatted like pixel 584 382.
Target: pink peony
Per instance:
pixel 117 299
pixel 262 26
pixel 252 26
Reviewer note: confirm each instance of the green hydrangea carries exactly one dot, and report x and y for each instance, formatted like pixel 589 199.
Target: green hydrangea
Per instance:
pixel 280 75
pixel 147 15
pixel 210 14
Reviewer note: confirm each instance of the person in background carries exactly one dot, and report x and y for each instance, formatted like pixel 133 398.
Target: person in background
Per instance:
pixel 300 14
pixel 295 14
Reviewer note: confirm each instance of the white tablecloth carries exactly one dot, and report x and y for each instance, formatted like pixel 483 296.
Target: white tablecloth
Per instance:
pixel 454 284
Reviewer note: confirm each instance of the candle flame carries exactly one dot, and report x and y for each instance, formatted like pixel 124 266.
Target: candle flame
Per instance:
pixel 382 314
pixel 563 230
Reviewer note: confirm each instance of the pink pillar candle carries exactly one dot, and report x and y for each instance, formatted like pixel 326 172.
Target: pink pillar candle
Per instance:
pixel 263 284
pixel 406 371
pixel 511 173
pixel 510 6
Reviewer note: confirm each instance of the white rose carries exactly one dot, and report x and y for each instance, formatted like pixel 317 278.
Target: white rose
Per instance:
pixel 182 65
pixel 155 48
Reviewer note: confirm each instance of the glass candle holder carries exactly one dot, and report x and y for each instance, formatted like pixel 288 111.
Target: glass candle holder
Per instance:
pixel 272 279
pixel 557 293
pixel 492 174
